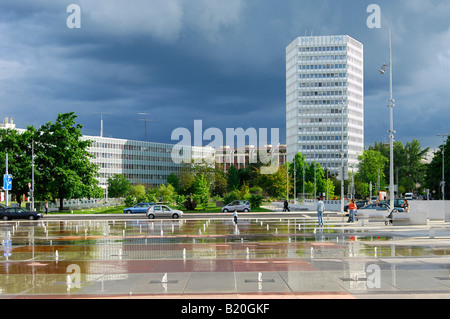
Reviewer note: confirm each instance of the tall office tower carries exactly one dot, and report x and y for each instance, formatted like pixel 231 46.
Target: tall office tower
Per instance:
pixel 325 100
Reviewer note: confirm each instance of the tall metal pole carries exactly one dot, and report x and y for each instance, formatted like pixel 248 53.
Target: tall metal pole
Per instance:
pixel 6 191
pixel 443 172
pixel 295 182
pixel 303 197
pixel 342 157
pixel 391 130
pixel 32 175
pixel 287 181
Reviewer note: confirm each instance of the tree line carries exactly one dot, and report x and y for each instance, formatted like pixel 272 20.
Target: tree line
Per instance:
pixel 62 166
pixel 63 170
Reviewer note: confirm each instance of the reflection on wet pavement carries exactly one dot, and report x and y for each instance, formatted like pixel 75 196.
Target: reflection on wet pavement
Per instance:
pixel 287 256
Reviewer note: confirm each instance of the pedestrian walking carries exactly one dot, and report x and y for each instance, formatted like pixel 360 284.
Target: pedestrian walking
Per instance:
pixel 235 216
pixel 351 211
pixel 46 207
pixel 286 206
pixel 320 210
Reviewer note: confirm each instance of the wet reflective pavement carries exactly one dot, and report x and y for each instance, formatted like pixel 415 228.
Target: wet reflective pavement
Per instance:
pixel 269 257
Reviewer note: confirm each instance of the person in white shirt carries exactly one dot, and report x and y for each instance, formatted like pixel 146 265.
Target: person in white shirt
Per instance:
pixel 320 210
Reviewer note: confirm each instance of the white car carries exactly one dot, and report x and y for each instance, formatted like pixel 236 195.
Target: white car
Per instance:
pixel 163 211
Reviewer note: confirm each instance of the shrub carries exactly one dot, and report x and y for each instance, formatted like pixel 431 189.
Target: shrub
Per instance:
pixel 129 201
pixel 233 195
pixel 255 200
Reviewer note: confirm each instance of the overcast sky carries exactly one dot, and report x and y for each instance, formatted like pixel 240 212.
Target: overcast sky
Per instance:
pixel 222 62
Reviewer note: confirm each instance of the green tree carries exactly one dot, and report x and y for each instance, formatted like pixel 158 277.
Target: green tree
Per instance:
pixel 410 166
pixel 233 178
pixel 275 184
pixel 173 180
pixel 201 194
pixel 138 193
pixel 166 193
pixel 433 179
pixel 372 163
pixel 330 188
pixel 118 186
pixel 186 180
pixel 19 148
pixel 63 161
pixel 300 166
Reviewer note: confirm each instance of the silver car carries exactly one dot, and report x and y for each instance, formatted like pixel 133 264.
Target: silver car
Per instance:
pixel 163 211
pixel 239 205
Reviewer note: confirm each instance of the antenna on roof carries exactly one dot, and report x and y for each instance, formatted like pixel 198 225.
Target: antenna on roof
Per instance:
pixel 145 120
pixel 101 121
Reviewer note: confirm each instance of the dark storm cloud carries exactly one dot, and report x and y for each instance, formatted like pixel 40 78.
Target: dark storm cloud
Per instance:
pixel 222 62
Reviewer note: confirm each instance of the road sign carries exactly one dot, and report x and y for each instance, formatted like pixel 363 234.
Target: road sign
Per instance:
pixel 7 182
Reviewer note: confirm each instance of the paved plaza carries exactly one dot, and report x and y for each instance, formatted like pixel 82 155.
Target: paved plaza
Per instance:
pixel 281 258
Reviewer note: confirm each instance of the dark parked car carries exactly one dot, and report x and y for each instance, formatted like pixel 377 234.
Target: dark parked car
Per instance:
pixel 19 213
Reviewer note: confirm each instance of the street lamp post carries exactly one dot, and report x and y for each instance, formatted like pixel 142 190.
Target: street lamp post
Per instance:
pixel 443 165
pixel 6 173
pixel 32 175
pixel 342 156
pixel 295 182
pixel 391 126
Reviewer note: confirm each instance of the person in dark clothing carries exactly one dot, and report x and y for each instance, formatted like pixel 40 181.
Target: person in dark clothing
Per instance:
pixel 286 206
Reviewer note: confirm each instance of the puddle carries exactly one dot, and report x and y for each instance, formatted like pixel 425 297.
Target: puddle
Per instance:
pixel 44 250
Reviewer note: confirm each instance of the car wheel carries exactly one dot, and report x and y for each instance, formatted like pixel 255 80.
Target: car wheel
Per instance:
pixel 246 210
pixel 151 216
pixel 5 217
pixel 128 211
pixel 175 216
pixel 225 210
pixel 31 217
